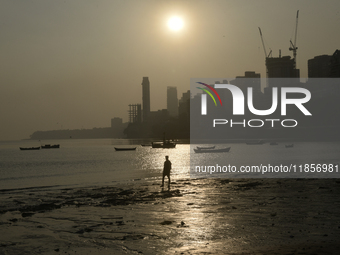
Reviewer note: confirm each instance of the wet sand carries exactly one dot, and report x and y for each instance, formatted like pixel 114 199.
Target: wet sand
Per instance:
pixel 197 216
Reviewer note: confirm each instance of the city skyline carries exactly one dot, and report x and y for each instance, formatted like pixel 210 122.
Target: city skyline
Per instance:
pixel 70 65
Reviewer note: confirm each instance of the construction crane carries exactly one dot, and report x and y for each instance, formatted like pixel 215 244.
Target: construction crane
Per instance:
pixel 264 48
pixel 293 45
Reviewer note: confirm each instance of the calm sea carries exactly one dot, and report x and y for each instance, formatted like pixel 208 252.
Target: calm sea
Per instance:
pixel 85 162
pixel 95 161
pixel 294 162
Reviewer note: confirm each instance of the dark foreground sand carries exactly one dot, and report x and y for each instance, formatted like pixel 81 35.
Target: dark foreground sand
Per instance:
pixel 219 216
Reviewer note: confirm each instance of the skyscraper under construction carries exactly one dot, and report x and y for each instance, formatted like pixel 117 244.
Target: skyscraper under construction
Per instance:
pixel 282 67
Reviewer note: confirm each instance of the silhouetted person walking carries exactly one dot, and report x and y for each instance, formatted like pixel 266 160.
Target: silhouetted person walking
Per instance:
pixel 166 170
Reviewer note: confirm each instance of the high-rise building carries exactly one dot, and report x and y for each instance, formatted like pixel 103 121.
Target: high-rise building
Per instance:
pixel 135 113
pixel 172 101
pixel 282 67
pixel 146 98
pixel 319 67
pixel 184 104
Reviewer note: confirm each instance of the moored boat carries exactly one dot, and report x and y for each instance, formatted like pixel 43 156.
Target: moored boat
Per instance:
pixel 212 150
pixel 125 149
pixel 29 148
pixel 205 148
pixel 165 145
pixel 49 146
pixel 289 145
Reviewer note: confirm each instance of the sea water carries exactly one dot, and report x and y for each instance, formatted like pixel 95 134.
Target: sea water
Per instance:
pixel 85 162
pixel 91 162
pixel 303 160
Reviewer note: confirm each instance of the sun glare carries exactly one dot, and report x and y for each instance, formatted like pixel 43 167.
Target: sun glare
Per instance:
pixel 175 23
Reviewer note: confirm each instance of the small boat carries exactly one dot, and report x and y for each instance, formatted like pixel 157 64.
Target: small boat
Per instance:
pixel 289 145
pixel 212 150
pixel 164 145
pixel 49 146
pixel 146 145
pixel 206 148
pixel 274 143
pixel 125 149
pixel 29 148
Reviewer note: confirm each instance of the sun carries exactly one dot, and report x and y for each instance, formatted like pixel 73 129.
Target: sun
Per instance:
pixel 175 23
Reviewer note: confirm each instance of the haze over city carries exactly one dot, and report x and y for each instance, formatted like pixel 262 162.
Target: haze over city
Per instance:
pixel 77 64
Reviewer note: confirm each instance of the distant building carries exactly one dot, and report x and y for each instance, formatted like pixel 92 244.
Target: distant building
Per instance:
pixel 184 104
pixel 135 113
pixel 319 67
pixel 250 79
pixel 324 66
pixel 116 122
pixel 281 67
pixel 146 98
pixel 172 101
pixel 335 64
pixel 160 116
pixel 117 128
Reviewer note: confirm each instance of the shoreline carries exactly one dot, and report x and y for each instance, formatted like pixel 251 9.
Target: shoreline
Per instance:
pixel 210 216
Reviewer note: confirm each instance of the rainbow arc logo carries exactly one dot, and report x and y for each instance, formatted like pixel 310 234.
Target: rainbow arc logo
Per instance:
pixel 208 92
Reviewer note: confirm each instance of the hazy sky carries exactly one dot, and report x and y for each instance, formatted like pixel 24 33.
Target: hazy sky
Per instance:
pixel 77 64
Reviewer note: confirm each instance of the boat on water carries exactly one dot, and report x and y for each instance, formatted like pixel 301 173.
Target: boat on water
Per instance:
pixel 146 145
pixel 125 149
pixel 164 145
pixel 205 148
pixel 212 150
pixel 49 146
pixel 289 145
pixel 273 143
pixel 29 148
pixel 157 145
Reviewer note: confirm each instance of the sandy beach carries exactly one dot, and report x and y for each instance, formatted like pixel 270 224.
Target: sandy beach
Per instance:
pixel 196 216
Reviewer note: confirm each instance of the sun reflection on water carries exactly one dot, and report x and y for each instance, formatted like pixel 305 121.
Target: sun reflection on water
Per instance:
pixel 152 159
